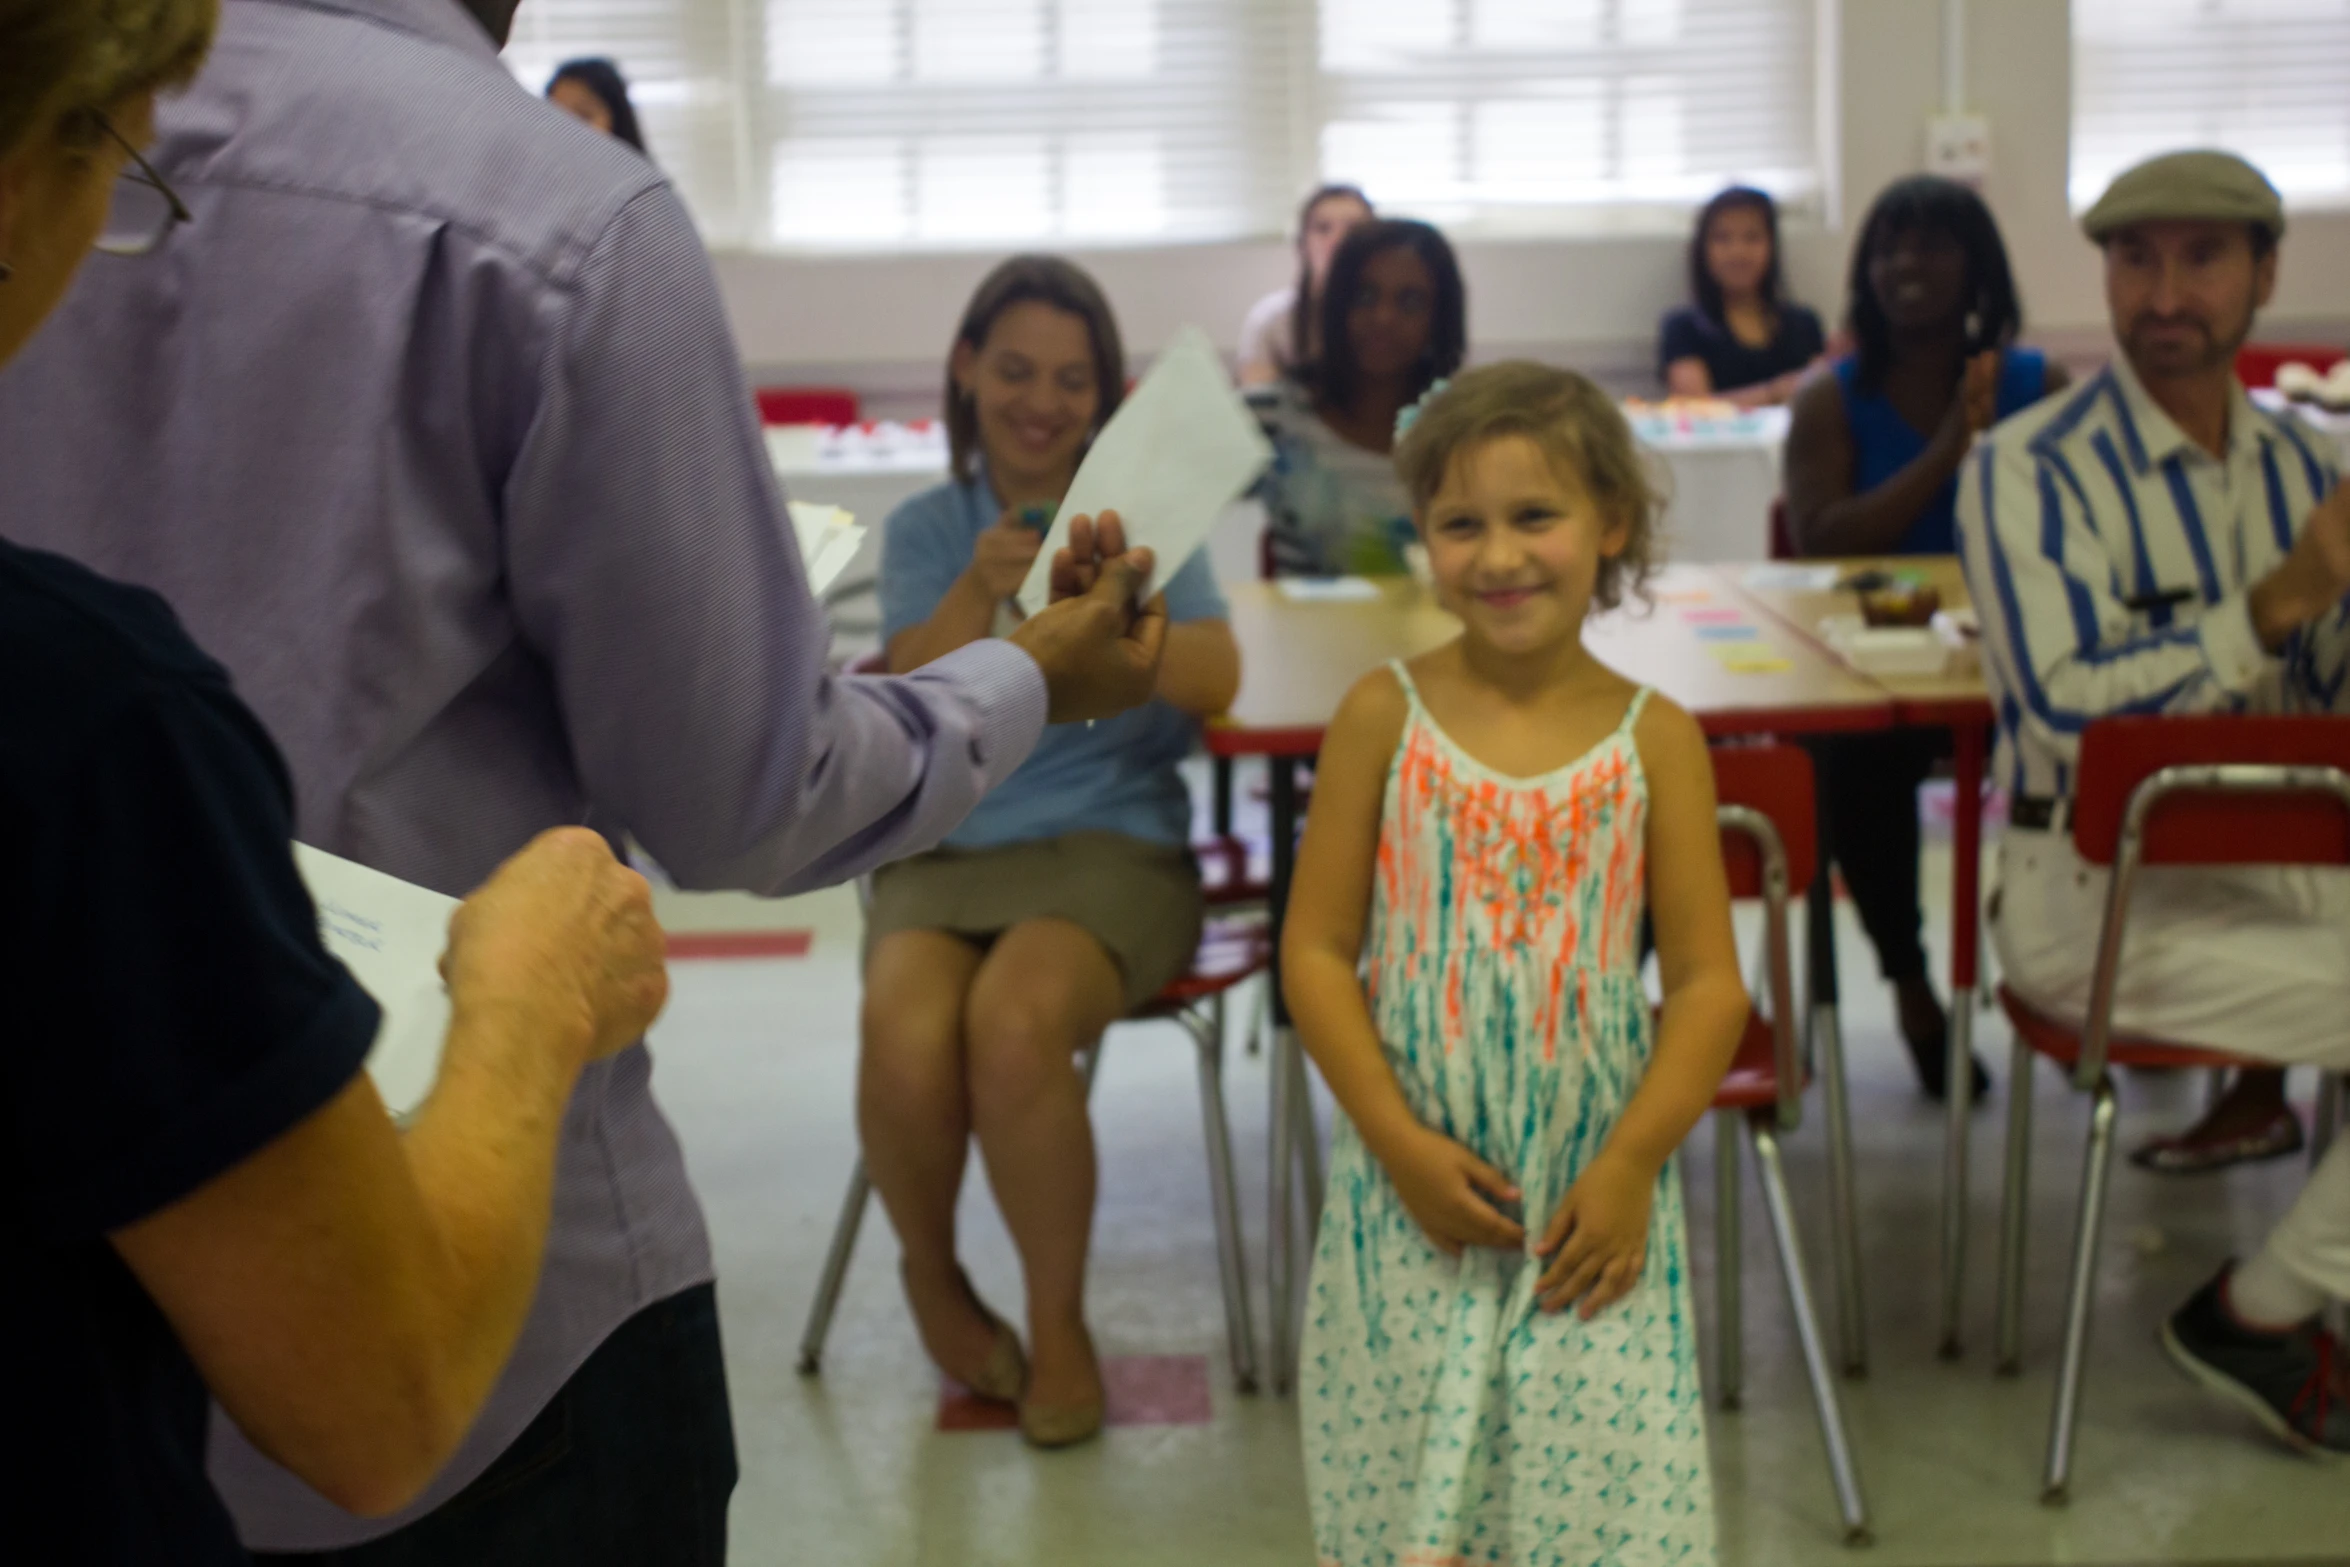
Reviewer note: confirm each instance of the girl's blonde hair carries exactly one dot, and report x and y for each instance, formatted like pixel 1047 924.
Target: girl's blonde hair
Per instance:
pixel 63 58
pixel 1578 426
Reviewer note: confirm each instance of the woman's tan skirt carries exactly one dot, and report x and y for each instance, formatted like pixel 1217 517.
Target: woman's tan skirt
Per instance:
pixel 1140 900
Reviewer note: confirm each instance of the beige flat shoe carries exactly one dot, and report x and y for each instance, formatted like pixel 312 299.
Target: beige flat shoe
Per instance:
pixel 1061 1425
pixel 1005 1375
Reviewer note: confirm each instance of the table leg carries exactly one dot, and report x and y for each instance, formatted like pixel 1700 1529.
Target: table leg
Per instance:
pixel 1220 796
pixel 1965 927
pixel 1827 1059
pixel 1288 1077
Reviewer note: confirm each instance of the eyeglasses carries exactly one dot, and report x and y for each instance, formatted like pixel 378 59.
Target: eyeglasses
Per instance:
pixel 145 207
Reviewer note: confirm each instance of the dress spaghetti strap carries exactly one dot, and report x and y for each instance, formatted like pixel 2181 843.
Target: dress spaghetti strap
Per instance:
pixel 1403 677
pixel 1632 713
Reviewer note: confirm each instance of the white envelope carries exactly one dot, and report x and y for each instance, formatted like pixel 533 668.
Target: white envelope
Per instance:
pixel 390 934
pixel 1177 452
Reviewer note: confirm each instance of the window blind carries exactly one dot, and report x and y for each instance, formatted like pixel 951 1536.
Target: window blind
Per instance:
pixel 866 125
pixel 2269 79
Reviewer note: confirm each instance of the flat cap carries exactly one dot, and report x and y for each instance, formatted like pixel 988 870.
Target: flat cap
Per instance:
pixel 2216 187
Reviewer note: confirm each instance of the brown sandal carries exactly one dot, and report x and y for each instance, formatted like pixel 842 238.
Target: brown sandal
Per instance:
pixel 2280 1139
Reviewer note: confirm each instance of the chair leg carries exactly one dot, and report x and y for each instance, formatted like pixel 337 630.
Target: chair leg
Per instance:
pixel 2215 1087
pixel 1309 1146
pixel 836 1269
pixel 1730 1325
pixel 2063 1423
pixel 1827 1402
pixel 1222 1190
pixel 2015 1204
pixel 1280 1239
pixel 2327 1123
pixel 1958 1102
pixel 1843 1222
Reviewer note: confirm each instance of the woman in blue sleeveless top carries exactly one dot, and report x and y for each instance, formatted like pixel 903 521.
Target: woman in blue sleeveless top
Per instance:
pixel 1872 469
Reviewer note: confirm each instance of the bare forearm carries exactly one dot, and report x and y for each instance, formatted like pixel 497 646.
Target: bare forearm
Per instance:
pixel 482 1151
pixel 1200 674
pixel 963 617
pixel 1697 1036
pixel 1334 1024
pixel 1874 521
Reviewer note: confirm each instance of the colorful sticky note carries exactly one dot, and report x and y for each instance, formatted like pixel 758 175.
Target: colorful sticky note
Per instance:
pixel 1737 633
pixel 1712 617
pixel 1750 658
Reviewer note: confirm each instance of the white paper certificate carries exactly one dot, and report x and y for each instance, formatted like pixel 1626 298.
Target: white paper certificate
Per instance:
pixel 390 934
pixel 1177 452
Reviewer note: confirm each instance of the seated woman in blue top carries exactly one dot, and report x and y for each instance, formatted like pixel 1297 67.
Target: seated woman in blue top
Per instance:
pixel 1738 339
pixel 1066 899
pixel 1872 469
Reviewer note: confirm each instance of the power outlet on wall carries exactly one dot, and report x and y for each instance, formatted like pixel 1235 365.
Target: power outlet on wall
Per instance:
pixel 1958 147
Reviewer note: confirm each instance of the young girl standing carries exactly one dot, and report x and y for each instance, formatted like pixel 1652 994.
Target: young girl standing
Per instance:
pixel 1500 1362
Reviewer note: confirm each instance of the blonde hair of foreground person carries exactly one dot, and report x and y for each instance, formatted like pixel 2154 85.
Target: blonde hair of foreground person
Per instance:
pixel 59 58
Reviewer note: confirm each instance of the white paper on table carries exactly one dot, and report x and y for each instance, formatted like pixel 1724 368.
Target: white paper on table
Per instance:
pixel 390 934
pixel 1328 590
pixel 1787 577
pixel 829 539
pixel 1177 452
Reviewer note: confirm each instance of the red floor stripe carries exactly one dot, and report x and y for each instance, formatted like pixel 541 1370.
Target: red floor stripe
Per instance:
pixel 741 944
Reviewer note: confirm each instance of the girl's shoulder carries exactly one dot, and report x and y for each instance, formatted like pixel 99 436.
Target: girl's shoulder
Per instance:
pixel 941 513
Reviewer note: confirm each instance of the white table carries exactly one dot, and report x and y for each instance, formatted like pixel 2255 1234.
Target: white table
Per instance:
pixel 1725 479
pixel 1724 475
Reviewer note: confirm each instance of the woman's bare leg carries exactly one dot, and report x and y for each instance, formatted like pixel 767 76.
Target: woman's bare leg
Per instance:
pixel 1045 992
pixel 914 1116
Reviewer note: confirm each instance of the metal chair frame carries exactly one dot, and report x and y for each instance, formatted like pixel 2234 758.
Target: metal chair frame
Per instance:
pixel 2091 1076
pixel 1200 1015
pixel 1763 1126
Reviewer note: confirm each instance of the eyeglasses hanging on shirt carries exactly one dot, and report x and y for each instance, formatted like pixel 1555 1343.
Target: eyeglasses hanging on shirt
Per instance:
pixel 145 207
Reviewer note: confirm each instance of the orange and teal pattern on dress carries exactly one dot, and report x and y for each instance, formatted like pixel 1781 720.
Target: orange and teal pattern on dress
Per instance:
pixel 1447 1418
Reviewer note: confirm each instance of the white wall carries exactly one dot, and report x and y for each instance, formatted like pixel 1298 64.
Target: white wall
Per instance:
pixel 881 323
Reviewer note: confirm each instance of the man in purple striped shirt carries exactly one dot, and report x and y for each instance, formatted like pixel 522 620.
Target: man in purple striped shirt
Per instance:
pixel 431 427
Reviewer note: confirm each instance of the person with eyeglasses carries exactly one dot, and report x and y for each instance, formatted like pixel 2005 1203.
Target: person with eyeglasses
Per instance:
pixel 199 1187
pixel 431 426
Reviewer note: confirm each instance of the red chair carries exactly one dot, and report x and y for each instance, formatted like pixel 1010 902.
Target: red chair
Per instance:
pixel 2257 364
pixel 1229 952
pixel 2153 791
pixel 1769 848
pixel 808 405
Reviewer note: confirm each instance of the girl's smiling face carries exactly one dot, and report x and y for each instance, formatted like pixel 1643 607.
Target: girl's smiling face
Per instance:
pixel 1515 544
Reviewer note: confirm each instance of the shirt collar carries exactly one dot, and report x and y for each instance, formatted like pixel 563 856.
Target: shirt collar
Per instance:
pixel 2155 437
pixel 442 21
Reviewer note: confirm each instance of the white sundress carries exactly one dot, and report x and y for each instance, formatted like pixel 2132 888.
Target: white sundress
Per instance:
pixel 1447 1418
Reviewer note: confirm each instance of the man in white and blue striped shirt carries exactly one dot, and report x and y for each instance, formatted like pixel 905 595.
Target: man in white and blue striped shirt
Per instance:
pixel 2153 543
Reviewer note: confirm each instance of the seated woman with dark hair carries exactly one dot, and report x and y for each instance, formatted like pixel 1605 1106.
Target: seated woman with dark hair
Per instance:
pixel 1065 900
pixel 1737 339
pixel 1394 321
pixel 1872 469
pixel 1281 330
pixel 595 91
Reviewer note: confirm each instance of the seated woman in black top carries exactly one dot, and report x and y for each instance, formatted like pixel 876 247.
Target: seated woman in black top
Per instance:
pixel 199 1187
pixel 1739 340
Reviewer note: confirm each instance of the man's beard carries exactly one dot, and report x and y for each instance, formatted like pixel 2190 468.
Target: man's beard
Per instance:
pixel 2176 359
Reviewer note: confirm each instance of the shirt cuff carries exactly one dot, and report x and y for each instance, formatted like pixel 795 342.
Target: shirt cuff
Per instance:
pixel 2231 646
pixel 1007 688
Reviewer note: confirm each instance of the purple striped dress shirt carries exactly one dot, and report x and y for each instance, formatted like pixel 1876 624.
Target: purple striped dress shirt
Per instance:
pixel 432 428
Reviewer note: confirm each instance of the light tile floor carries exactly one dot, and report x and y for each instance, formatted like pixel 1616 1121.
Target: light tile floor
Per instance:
pixel 756 1062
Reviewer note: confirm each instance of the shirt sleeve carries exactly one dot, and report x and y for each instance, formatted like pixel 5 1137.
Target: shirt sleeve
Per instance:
pixel 1679 338
pixel 2061 639
pixel 653 566
pixel 1192 593
pixel 924 548
pixel 182 1012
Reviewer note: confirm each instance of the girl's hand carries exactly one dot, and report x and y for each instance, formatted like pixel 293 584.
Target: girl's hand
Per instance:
pixel 1451 1192
pixel 1002 557
pixel 1976 407
pixel 1598 1239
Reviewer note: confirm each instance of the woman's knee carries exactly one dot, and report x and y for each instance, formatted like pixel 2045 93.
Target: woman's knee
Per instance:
pixel 910 1023
pixel 1023 1042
